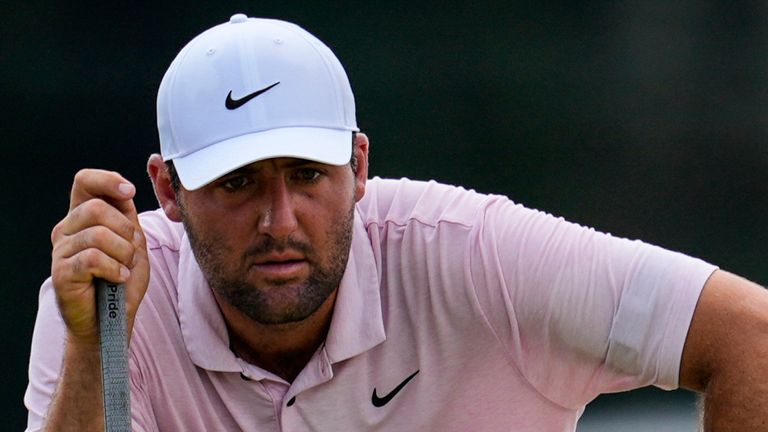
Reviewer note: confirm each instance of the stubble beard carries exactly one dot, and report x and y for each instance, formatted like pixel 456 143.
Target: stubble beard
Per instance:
pixel 280 302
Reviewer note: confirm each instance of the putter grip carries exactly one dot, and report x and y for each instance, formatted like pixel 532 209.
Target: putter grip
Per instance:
pixel 110 299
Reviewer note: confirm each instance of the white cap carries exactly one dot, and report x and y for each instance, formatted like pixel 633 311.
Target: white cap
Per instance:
pixel 253 89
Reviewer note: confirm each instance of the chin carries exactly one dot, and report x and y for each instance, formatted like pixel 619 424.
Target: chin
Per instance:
pixel 279 304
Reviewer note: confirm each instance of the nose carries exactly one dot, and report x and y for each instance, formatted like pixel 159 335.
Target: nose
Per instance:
pixel 278 219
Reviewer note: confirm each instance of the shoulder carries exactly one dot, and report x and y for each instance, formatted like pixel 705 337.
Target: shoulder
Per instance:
pixel 164 240
pixel 161 231
pixel 428 202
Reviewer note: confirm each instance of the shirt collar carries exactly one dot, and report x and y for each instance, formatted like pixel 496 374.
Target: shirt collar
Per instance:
pixel 356 324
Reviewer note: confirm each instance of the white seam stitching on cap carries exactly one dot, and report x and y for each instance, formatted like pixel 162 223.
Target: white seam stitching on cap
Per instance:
pixel 248 75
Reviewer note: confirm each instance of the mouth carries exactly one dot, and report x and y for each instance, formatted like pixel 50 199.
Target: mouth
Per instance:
pixel 280 265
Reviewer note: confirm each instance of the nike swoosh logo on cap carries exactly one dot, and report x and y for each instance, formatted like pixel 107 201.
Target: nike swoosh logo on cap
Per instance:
pixel 233 104
pixel 379 402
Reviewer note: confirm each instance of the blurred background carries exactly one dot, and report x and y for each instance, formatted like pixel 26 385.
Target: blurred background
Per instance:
pixel 646 119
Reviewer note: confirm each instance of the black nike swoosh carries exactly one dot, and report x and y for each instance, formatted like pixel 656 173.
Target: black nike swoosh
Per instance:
pixel 233 104
pixel 379 402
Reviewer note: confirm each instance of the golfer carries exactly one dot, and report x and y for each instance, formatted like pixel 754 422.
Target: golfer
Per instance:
pixel 279 288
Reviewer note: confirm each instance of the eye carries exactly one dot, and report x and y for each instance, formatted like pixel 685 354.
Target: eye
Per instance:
pixel 307 175
pixel 235 183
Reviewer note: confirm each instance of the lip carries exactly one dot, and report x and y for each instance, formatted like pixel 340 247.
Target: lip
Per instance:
pixel 280 265
pixel 278 257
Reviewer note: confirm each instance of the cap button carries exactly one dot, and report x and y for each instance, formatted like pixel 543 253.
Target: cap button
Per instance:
pixel 238 18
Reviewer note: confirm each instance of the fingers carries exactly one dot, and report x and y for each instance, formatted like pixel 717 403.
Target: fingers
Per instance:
pixel 107 185
pixel 95 251
pixel 99 238
pixel 96 212
pixel 93 233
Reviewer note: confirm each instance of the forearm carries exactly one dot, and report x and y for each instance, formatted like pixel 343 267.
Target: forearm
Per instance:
pixel 77 404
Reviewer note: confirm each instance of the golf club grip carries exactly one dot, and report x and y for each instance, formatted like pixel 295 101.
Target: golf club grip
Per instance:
pixel 110 299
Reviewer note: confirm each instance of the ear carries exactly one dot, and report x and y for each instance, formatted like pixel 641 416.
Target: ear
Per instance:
pixel 361 151
pixel 161 182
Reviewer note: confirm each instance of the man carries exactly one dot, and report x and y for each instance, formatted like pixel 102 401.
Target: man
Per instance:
pixel 278 288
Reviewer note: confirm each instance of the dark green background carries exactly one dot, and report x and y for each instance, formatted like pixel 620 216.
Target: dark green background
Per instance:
pixel 646 119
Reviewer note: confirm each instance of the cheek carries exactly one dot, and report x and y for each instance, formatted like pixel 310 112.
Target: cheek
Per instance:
pixel 220 231
pixel 327 221
pixel 329 218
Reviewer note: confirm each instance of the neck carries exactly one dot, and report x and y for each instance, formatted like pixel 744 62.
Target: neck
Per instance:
pixel 283 349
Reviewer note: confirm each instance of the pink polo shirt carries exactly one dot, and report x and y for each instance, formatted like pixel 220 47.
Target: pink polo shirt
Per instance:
pixel 458 311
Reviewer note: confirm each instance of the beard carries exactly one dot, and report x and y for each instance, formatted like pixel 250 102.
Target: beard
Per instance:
pixel 274 301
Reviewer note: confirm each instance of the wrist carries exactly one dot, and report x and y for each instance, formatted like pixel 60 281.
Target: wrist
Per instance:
pixel 82 346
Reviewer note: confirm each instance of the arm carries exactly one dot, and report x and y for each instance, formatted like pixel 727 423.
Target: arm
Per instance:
pixel 77 403
pixel 99 238
pixel 726 354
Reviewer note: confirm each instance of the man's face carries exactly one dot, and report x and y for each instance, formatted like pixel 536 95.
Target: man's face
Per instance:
pixel 273 237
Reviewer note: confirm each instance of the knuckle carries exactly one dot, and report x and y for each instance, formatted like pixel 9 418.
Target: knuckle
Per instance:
pixel 82 243
pixel 88 260
pixel 93 208
pixel 81 177
pixel 57 274
pixel 76 265
pixel 98 235
pixel 125 256
pixel 56 233
pixel 64 272
pixel 56 252
pixel 128 230
pixel 82 240
pixel 110 242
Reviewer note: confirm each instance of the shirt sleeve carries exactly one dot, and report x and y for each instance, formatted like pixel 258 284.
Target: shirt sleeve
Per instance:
pixel 582 312
pixel 46 355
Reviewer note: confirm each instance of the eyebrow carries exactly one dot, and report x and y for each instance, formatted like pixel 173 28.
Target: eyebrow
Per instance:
pixel 297 162
pixel 292 163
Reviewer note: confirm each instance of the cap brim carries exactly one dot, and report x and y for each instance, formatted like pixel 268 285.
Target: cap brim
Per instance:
pixel 329 146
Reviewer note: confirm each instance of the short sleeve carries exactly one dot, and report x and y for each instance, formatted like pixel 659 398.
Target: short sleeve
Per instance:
pixel 582 312
pixel 46 355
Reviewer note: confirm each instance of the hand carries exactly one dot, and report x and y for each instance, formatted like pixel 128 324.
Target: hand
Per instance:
pixel 99 238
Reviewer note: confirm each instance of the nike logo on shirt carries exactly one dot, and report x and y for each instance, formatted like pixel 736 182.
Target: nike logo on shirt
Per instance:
pixel 379 402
